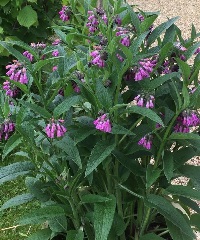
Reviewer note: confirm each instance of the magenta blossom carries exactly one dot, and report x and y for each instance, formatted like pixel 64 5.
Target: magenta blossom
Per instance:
pixel 11 89
pixel 65 14
pixel 28 55
pixel 145 101
pixel 6 129
pixel 55 128
pixel 102 123
pixel 17 72
pixel 55 53
pixel 146 141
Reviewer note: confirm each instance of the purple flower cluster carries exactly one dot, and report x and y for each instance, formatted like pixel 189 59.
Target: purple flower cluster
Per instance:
pixel 185 120
pixel 56 42
pixel 145 68
pixel 28 55
pixel 102 123
pixel 93 19
pixel 125 38
pixel 65 14
pixel 11 89
pixel 17 72
pixel 146 141
pixel 38 45
pixel 98 58
pixel 6 129
pixel 55 128
pixel 145 101
pixel 179 46
pixel 55 53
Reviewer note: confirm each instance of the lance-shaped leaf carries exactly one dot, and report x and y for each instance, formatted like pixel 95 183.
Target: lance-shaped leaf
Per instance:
pixel 14 170
pixel 164 207
pixel 146 113
pixel 103 218
pixel 17 200
pixel 99 153
pixel 43 234
pixel 11 144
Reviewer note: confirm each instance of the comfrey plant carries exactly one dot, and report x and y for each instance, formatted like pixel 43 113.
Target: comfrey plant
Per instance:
pixel 104 119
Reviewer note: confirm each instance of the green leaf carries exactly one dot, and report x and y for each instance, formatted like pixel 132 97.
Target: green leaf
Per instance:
pixel 37 109
pixel 184 136
pixel 185 69
pixel 16 54
pixel 191 204
pixel 65 105
pixel 118 129
pixel 27 16
pixel 99 153
pixel 4 2
pixel 103 218
pixel 169 35
pixel 184 191
pixel 160 29
pixel 69 146
pixel 151 175
pixel 103 95
pixel 168 165
pixel 195 220
pixel 82 133
pixel 75 235
pixel 17 200
pixel 191 50
pixel 151 236
pixel 21 86
pixel 137 43
pixel 130 163
pixel 14 170
pixel 38 216
pixel 11 144
pixel 156 82
pixel 40 64
pixel 43 234
pixel 186 97
pixel 191 172
pixel 146 113
pixel 58 224
pixel 183 155
pixel 176 233
pixel 146 24
pixel 92 198
pixel 165 208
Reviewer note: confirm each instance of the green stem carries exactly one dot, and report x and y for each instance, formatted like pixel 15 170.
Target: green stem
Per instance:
pixel 163 233
pixel 130 129
pixel 165 138
pixel 75 214
pixel 145 222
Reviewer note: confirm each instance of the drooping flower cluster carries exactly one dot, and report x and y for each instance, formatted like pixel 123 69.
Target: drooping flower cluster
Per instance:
pixel 56 42
pixel 11 89
pixel 17 72
pixel 94 18
pixel 179 46
pixel 102 123
pixel 38 45
pixel 65 14
pixel 145 68
pixel 197 51
pixel 185 120
pixel 98 58
pixel 55 128
pixel 143 100
pixel 125 38
pixel 55 53
pixel 6 129
pixel 146 141
pixel 28 55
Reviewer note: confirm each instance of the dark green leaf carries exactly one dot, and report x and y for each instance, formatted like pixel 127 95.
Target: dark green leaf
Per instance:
pixel 103 95
pixel 103 218
pixel 75 235
pixel 176 233
pixel 99 153
pixel 27 16
pixel 146 113
pixel 58 224
pixel 151 175
pixel 179 136
pixel 165 208
pixel 195 220
pixel 65 105
pixel 160 29
pixel 184 191
pixel 37 109
pixel 168 165
pixel 69 146
pixel 92 198
pixel 118 129
pixel 11 144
